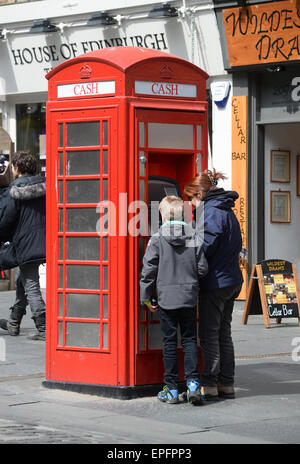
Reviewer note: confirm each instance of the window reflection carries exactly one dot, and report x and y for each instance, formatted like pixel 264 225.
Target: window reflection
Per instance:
pixel 31 131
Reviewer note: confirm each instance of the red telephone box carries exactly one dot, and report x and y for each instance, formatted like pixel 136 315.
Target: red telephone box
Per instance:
pixel 123 124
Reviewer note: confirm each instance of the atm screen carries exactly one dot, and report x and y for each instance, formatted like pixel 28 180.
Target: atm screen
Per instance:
pixel 158 188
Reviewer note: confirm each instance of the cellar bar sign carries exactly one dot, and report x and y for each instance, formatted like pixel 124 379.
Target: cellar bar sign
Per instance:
pixel 280 288
pixel 273 291
pixel 264 33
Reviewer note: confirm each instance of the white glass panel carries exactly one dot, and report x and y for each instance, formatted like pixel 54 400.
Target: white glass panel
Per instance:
pixel 142 134
pixel 85 133
pixel 61 135
pixel 105 336
pixel 60 191
pixel 61 163
pixel 83 334
pixel 141 163
pixel 105 278
pixel 105 189
pixel 83 162
pixel 105 248
pixel 154 338
pixel 105 306
pixel 105 157
pixel 199 162
pixel 81 276
pixel 142 337
pixel 105 133
pixel 142 190
pixel 60 276
pixel 199 137
pixel 142 312
pixel 82 220
pixel 83 248
pixel 60 304
pixel 83 305
pixel 175 136
pixel 82 191
pixel 60 333
pixel 61 219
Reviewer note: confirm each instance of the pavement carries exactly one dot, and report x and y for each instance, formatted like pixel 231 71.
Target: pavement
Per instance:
pixel 266 409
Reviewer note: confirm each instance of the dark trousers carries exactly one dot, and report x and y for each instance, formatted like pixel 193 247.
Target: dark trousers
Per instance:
pixel 28 289
pixel 169 321
pixel 215 316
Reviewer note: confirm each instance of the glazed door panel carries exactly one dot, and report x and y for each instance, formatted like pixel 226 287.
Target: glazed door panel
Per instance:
pixel 83 328
pixel 171 146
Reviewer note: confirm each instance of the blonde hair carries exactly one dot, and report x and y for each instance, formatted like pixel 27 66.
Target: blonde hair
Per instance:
pixel 171 208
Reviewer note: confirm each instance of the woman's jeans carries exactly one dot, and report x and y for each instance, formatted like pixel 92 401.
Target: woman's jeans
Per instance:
pixel 169 321
pixel 28 289
pixel 215 316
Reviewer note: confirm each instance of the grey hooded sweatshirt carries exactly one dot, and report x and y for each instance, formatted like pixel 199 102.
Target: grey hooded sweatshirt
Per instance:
pixel 172 266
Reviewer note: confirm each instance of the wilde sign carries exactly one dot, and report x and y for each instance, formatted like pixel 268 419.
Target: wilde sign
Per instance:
pixel 273 291
pixel 264 33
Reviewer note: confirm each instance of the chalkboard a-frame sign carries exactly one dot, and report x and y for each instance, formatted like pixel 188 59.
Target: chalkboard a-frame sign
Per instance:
pixel 273 291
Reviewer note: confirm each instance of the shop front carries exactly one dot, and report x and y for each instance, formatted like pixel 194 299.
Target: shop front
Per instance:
pixel 261 49
pixel 30 47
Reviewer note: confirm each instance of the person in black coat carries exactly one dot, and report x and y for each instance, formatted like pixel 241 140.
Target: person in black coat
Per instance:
pixel 217 224
pixel 23 222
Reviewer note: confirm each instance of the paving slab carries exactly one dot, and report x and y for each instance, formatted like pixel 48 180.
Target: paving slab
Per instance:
pixel 266 409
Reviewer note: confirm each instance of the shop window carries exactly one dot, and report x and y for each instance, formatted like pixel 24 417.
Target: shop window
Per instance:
pixel 31 131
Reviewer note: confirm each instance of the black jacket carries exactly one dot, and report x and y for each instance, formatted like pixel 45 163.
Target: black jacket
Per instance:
pixel 172 266
pixel 23 217
pixel 222 239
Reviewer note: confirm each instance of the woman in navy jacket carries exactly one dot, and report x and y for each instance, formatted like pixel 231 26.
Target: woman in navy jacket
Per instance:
pixel 222 243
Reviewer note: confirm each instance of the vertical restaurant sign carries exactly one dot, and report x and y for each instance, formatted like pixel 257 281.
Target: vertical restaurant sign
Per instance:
pixel 263 33
pixel 239 175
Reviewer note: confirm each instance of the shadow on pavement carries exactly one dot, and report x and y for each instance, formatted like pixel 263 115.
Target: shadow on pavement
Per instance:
pixel 267 378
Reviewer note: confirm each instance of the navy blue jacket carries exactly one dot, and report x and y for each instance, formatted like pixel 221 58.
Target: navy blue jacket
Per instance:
pixel 23 217
pixel 222 241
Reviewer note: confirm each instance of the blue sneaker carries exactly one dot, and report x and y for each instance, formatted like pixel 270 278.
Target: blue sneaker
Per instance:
pixel 194 395
pixel 168 396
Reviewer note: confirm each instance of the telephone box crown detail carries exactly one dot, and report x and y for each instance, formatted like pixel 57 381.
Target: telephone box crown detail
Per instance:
pixel 85 72
pixel 166 72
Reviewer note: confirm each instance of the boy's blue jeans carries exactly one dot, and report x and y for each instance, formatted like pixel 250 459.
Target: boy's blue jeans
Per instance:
pixel 169 321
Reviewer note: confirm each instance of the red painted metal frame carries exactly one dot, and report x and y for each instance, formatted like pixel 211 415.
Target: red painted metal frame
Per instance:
pixel 122 364
pixel 65 358
pixel 149 366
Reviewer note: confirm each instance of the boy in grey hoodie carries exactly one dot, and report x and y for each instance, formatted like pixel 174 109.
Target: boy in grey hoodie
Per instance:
pixel 172 266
